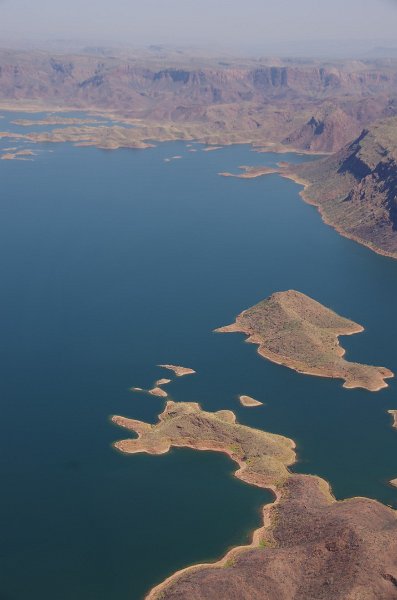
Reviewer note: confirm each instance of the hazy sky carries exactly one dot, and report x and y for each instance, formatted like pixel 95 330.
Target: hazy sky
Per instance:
pixel 237 23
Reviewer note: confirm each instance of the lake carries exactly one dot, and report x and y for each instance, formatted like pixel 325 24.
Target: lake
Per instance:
pixel 114 262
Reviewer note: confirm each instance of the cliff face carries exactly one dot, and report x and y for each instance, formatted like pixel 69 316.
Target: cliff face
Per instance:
pixel 334 126
pixel 307 106
pixel 356 188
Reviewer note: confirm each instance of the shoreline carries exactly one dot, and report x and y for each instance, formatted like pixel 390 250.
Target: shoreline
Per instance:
pixel 286 174
pixel 230 556
pixel 242 473
pixel 306 198
pixel 296 364
pixel 296 498
pixel 188 132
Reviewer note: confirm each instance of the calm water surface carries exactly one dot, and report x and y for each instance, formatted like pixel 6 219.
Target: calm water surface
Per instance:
pixel 113 262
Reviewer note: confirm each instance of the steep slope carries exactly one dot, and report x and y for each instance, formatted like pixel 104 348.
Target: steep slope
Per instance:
pixel 356 188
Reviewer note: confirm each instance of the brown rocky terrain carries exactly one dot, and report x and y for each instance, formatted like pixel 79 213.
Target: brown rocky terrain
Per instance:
pixel 307 105
pixel 294 330
pixel 178 370
pixel 310 546
pixel 356 188
pixel 320 549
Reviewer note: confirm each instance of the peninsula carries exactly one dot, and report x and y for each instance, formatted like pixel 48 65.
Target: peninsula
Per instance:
pixel 309 546
pixel 294 330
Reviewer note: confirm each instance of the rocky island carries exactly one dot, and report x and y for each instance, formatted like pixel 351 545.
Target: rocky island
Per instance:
pixel 178 370
pixel 393 413
pixel 354 189
pixel 294 330
pixel 249 402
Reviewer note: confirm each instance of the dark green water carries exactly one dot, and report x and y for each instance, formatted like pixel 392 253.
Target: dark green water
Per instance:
pixel 113 262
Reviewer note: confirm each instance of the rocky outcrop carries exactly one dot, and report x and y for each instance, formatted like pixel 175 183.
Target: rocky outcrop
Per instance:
pixel 356 188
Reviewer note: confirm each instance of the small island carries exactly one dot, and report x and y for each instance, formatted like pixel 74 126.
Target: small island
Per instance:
pixel 251 172
pixel 161 382
pixel 294 330
pixel 393 413
pixel 158 391
pixel 179 371
pixel 248 401
pixel 15 154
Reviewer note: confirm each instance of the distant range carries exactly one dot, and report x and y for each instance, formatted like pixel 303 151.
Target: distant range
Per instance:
pixel 344 107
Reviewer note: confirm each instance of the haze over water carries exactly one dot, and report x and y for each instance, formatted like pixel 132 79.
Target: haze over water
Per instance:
pixel 113 262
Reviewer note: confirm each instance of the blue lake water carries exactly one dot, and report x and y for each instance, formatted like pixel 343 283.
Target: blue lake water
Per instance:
pixel 113 262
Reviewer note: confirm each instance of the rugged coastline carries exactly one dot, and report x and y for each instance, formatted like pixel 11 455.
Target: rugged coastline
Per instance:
pixel 294 330
pixel 355 189
pixel 310 545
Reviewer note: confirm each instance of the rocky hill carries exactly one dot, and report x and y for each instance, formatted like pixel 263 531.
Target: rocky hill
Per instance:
pixel 356 188
pixel 307 105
